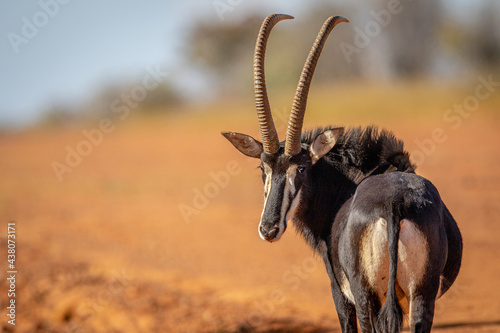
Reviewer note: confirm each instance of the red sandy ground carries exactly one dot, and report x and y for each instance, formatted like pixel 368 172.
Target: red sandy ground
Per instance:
pixel 108 250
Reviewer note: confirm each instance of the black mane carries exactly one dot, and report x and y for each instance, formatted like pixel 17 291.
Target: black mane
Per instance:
pixel 357 154
pixel 360 152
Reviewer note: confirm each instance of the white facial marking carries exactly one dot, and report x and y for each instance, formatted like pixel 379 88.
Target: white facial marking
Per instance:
pixel 267 189
pixel 289 190
pixel 291 212
pixel 290 177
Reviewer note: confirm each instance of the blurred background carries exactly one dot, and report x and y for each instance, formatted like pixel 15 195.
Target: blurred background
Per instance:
pixel 134 215
pixel 63 62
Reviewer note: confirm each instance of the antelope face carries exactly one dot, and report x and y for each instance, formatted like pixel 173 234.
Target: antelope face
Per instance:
pixel 283 176
pixel 284 169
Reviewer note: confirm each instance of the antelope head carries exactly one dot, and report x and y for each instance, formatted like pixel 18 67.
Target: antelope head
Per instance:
pixel 285 166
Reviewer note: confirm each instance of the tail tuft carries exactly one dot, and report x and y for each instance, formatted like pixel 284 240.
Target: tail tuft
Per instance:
pixel 390 318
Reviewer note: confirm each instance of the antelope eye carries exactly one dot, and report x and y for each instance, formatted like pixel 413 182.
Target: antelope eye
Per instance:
pixel 301 169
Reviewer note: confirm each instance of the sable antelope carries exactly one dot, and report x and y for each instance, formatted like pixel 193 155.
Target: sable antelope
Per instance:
pixel 389 244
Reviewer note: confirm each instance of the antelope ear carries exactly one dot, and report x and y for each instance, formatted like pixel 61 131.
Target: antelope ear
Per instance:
pixel 324 143
pixel 244 143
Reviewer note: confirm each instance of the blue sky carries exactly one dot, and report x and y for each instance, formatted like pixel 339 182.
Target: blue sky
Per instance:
pixel 81 46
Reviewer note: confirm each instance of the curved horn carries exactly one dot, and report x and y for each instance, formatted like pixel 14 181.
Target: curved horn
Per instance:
pixel 293 134
pixel 268 132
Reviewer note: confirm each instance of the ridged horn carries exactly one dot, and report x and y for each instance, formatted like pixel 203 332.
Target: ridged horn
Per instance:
pixel 293 134
pixel 268 132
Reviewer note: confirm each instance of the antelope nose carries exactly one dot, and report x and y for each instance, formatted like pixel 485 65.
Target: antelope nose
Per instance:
pixel 269 234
